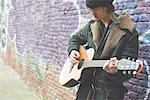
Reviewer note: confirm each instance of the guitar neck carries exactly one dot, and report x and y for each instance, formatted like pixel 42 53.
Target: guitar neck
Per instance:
pixel 122 65
pixel 93 63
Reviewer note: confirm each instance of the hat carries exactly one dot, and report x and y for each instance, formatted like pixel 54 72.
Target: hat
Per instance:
pixel 98 3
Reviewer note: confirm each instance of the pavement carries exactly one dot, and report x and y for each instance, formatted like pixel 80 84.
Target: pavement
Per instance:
pixel 12 87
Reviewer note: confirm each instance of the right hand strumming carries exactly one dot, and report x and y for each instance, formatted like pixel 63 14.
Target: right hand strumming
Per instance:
pixel 74 56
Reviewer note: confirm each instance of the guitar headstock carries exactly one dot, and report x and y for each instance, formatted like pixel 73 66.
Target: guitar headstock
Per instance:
pixel 130 65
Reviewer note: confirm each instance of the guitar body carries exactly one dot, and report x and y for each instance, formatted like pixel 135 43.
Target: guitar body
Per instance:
pixel 71 73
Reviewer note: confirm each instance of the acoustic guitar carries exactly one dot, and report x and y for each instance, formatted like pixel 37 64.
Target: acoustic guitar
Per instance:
pixel 71 73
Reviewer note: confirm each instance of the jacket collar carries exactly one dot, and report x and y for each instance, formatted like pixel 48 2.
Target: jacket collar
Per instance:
pixel 124 21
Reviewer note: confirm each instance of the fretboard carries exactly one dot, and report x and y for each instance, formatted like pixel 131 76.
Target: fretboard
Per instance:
pixel 122 65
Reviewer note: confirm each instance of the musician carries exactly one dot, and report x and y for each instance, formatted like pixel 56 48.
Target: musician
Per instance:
pixel 113 37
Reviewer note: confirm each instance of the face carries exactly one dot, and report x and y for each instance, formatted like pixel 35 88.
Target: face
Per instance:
pixel 98 13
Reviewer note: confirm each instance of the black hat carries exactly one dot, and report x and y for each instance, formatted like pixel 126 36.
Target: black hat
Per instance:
pixel 98 3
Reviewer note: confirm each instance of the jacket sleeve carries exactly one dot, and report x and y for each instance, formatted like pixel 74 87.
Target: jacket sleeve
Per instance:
pixel 128 48
pixel 78 39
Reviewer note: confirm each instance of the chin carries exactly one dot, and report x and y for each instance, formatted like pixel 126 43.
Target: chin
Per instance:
pixel 95 19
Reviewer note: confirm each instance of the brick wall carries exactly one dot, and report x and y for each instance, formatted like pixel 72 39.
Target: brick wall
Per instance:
pixel 35 35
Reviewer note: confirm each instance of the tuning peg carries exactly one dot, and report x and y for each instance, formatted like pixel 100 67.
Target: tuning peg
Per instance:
pixel 138 60
pixel 124 72
pixel 128 58
pixel 129 72
pixel 133 59
pixel 134 73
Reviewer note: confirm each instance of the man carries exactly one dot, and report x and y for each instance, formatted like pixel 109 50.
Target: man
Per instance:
pixel 112 37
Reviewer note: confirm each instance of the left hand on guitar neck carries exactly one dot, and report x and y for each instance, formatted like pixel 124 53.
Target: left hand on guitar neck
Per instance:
pixel 111 66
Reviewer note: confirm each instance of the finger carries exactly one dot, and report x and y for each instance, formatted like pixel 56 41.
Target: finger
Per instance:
pixel 113 62
pixel 112 65
pixel 114 59
pixel 106 69
pixel 106 64
pixel 73 55
pixel 77 54
pixel 73 60
pixel 116 63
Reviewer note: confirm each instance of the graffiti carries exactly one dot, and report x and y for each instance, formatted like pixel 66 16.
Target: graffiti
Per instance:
pixel 4 8
pixel 144 54
pixel 144 49
pixel 2 38
pixel 145 38
pixel 148 75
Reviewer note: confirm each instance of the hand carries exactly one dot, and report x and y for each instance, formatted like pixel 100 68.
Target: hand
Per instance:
pixel 74 56
pixel 111 66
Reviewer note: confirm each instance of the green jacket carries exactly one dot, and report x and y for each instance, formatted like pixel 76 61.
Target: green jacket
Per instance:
pixel 122 42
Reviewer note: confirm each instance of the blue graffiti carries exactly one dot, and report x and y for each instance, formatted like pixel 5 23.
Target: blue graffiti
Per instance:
pixel 145 37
